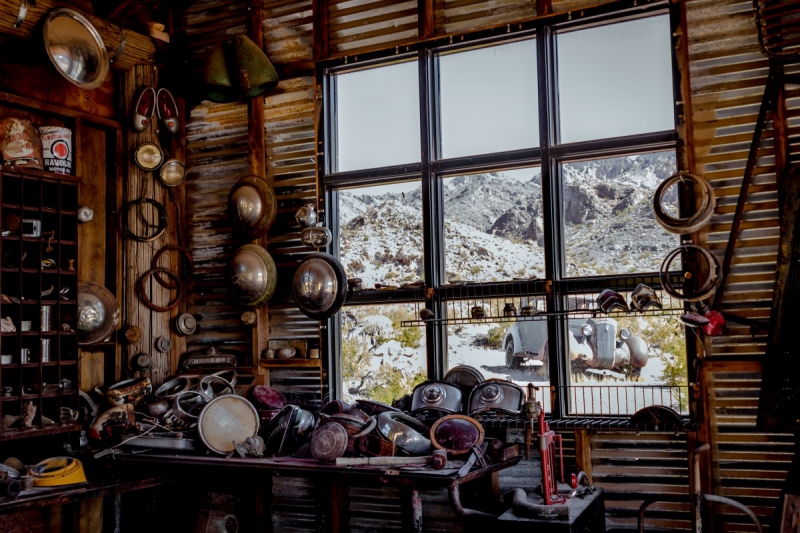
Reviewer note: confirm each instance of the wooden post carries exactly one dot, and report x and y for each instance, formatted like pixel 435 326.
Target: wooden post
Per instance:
pixel 320 40
pixel 137 256
pixel 583 453
pixel 426 19
pixel 257 164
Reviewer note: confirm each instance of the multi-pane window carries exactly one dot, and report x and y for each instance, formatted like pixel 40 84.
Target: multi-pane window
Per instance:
pixel 499 183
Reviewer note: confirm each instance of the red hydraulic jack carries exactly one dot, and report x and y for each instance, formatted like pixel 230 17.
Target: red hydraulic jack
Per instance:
pixel 547 446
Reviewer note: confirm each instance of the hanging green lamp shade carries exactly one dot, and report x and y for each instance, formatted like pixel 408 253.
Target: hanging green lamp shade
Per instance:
pixel 254 72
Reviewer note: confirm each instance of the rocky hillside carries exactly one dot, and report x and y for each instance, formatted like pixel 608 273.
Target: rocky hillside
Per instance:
pixel 494 228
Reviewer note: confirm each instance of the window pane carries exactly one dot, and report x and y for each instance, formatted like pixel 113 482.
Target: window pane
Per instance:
pixel 609 225
pixel 380 360
pixel 380 237
pixel 489 99
pixel 615 80
pixel 493 226
pixel 514 350
pixel 377 117
pixel 647 369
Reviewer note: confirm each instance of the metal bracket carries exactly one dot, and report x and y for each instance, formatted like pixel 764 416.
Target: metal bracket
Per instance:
pixel 23 11
pixel 121 47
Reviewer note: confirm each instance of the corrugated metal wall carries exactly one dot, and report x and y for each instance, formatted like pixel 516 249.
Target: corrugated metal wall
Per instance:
pixel 728 74
pixel 216 156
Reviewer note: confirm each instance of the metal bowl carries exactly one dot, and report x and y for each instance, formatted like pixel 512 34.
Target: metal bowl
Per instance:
pixel 320 286
pixel 252 275
pixel 440 396
pixel 96 320
pixel 464 377
pixel 405 432
pixel 252 206
pixel 75 47
pixel 497 396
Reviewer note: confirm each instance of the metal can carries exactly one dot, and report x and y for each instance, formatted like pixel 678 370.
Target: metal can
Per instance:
pixel 45 351
pixel 56 149
pixel 45 315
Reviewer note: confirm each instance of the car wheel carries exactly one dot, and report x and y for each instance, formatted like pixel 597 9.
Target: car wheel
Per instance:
pixel 511 361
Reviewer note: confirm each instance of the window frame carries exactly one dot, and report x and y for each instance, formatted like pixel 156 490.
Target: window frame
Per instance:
pixel 549 156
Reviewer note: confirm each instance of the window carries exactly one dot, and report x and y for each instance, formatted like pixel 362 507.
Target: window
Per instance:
pixel 503 221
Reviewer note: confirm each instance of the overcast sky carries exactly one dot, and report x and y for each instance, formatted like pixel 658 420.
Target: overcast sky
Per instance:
pixel 613 80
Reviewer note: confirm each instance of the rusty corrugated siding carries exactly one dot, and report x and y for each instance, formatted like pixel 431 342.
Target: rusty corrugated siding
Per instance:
pixel 632 467
pixel 459 16
pixel 728 74
pixel 216 157
pixel 358 26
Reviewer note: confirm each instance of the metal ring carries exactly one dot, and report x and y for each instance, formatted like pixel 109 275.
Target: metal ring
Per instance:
pixel 205 386
pixel 692 223
pixel 162 220
pixel 178 410
pixel 711 283
pixel 143 291
pixel 188 270
pixel 371 422
pixel 173 387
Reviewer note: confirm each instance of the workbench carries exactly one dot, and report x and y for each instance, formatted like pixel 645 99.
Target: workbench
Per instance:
pixel 411 479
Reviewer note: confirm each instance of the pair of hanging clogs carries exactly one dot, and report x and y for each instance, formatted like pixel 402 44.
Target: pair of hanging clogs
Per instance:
pixel 162 103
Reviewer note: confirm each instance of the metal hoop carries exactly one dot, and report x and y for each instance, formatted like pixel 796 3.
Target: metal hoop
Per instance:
pixel 160 227
pixel 188 266
pixel 143 291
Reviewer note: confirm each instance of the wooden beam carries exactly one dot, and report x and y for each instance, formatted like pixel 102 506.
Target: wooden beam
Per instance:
pixel 543 7
pixel 426 19
pixel 139 49
pixel 257 162
pixel 583 452
pixel 320 30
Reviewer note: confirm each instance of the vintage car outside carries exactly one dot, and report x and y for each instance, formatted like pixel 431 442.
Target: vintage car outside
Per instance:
pixel 596 345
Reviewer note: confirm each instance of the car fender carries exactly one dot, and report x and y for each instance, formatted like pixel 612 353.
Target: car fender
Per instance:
pixel 513 333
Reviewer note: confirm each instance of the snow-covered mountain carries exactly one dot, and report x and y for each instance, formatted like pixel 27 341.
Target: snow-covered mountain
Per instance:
pixel 494 227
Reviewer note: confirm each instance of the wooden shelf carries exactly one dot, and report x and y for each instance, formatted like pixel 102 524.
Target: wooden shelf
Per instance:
pixel 284 363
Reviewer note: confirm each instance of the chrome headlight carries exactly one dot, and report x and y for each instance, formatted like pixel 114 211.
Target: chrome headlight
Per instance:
pixel 624 334
pixel 587 330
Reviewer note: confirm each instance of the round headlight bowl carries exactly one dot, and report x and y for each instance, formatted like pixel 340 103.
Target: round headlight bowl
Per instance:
pixel 252 275
pixel 98 313
pixel 252 206
pixel 587 330
pixel 172 173
pixel 75 47
pixel 148 156
pixel 319 286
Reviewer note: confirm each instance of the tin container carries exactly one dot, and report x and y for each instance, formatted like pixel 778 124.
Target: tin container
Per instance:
pixel 45 351
pixel 56 149
pixel 45 318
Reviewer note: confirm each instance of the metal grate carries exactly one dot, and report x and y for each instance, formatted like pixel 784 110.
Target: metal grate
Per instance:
pixel 778 25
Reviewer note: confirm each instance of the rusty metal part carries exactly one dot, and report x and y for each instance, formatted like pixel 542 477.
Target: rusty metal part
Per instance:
pixel 708 287
pixel 248 318
pixel 744 188
pixel 694 222
pixel 188 266
pixel 122 415
pixel 163 344
pixel 131 391
pixel 141 361
pixel 778 30
pixel 173 387
pixel 159 227
pixel 186 324
pixel 142 289
pixel 132 334
pixel 159 408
